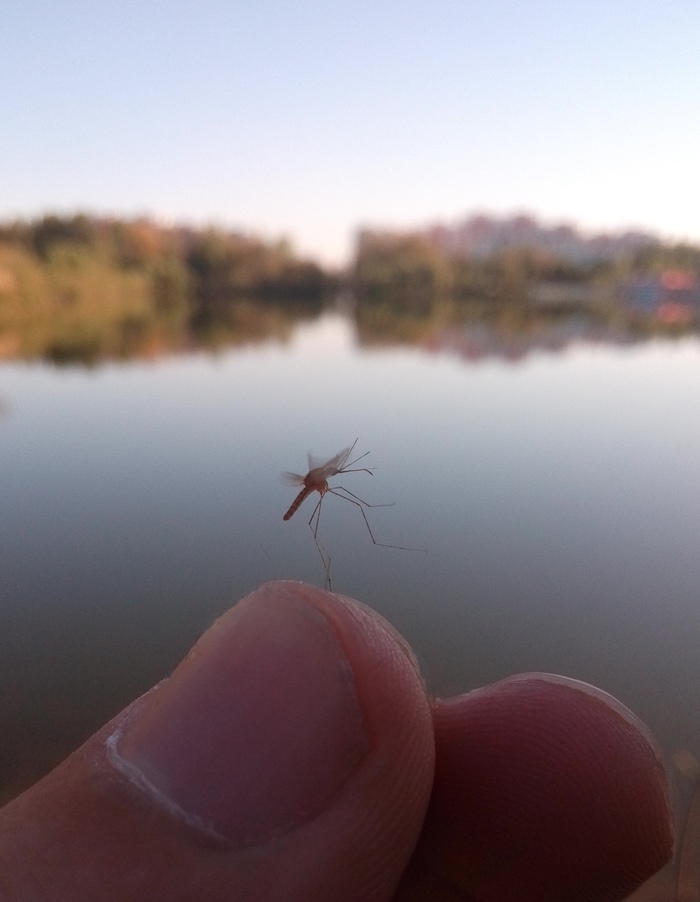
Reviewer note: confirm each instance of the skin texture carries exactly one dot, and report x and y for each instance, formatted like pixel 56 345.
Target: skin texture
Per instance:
pixel 295 755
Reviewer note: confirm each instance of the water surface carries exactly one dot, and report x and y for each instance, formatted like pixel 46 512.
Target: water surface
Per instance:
pixel 554 485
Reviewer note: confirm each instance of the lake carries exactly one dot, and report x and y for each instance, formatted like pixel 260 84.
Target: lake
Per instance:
pixel 551 482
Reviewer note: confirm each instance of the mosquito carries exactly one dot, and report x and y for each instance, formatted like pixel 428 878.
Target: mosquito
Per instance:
pixel 316 480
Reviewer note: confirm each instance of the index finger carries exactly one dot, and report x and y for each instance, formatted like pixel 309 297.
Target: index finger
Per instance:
pixel 546 790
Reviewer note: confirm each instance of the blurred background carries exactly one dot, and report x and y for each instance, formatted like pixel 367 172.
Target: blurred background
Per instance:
pixel 465 235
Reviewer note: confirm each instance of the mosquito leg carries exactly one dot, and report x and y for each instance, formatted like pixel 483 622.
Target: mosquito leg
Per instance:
pixel 357 498
pixel 359 503
pixel 352 448
pixel 358 469
pixel 325 557
pixel 314 521
pixel 353 462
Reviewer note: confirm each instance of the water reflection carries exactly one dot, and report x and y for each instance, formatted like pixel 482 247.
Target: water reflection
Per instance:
pixel 473 329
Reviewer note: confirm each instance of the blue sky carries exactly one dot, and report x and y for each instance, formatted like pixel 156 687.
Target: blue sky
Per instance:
pixel 311 118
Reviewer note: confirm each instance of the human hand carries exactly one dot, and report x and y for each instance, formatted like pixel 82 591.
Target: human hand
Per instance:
pixel 295 755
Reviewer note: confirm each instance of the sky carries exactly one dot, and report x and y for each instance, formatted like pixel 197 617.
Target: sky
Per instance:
pixel 309 119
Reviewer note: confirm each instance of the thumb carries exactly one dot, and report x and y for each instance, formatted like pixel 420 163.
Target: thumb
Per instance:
pixel 290 756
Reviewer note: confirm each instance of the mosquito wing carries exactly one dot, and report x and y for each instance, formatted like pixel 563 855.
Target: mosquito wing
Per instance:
pixel 332 466
pixel 293 478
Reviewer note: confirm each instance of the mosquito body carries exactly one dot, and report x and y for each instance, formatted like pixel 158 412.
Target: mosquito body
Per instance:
pixel 316 480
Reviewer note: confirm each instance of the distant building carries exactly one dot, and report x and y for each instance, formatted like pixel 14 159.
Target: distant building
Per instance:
pixel 481 236
pixel 672 297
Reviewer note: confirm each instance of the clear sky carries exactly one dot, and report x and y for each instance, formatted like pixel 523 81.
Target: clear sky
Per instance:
pixel 309 118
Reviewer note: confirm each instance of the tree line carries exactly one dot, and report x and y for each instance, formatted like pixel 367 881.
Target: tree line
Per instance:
pixel 86 287
pixel 413 266
pixel 81 287
pixel 182 260
pixel 207 268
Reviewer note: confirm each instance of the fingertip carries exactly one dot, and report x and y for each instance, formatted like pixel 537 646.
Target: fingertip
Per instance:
pixel 546 790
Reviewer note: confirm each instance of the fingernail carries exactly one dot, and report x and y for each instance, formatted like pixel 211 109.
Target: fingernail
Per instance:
pixel 257 729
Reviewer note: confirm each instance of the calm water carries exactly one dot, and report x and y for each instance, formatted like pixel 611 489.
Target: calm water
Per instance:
pixel 555 488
